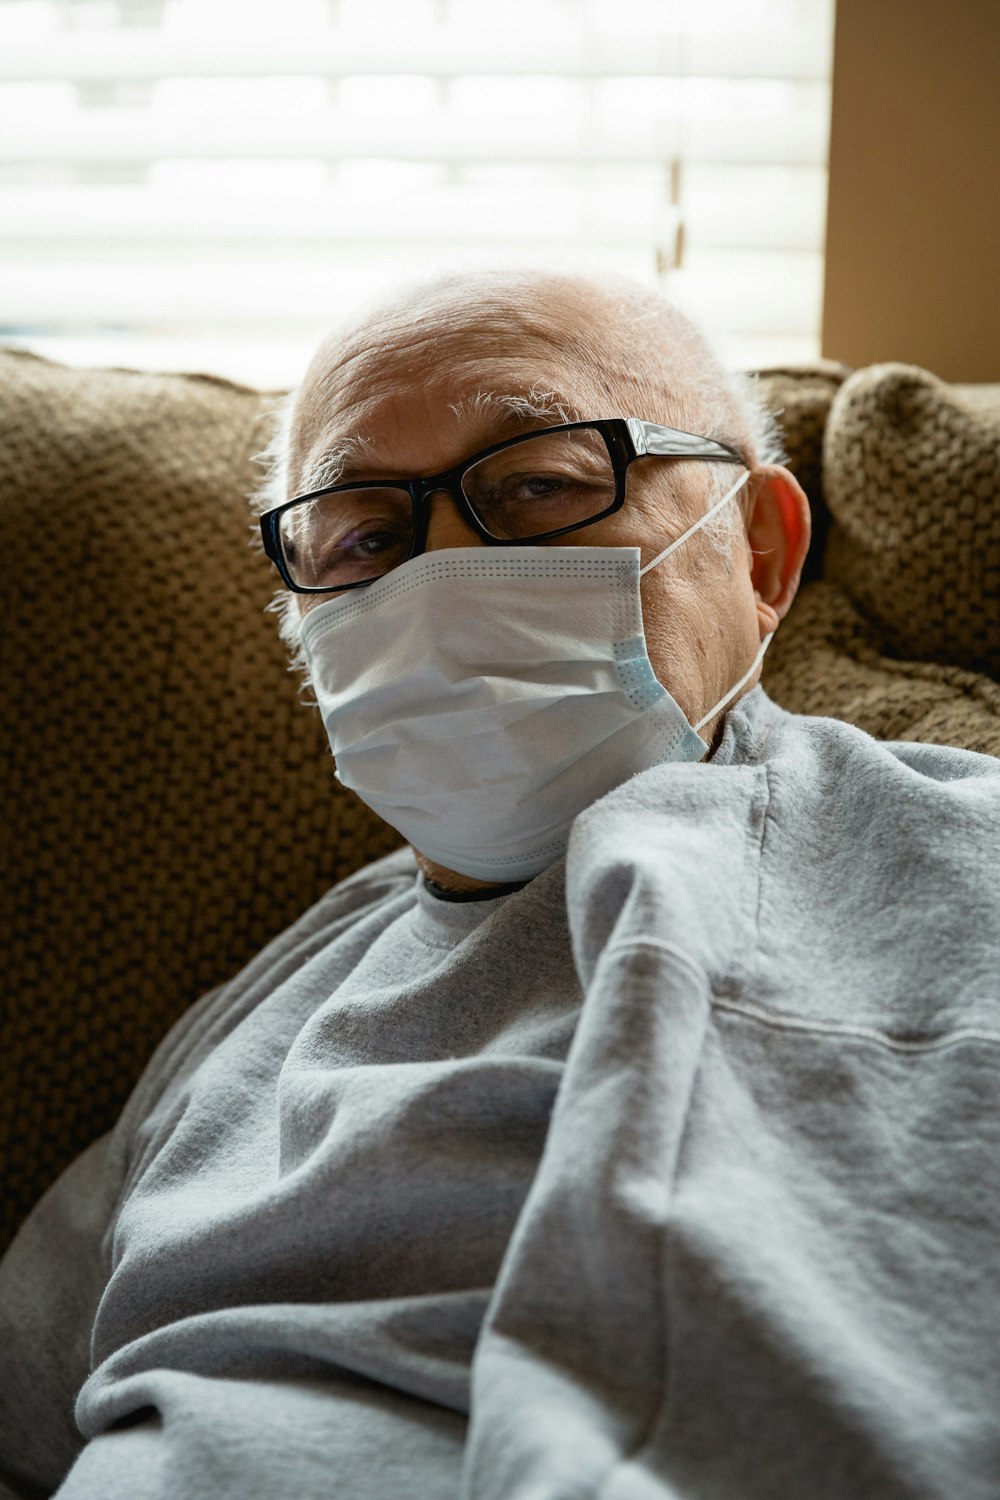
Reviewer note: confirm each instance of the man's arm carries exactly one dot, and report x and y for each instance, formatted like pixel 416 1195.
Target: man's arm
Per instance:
pixel 51 1281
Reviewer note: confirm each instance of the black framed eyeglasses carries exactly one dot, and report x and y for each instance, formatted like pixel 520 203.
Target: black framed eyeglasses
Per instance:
pixel 543 484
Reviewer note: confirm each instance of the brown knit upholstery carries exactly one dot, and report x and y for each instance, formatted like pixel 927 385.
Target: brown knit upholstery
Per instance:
pixel 169 803
pixel 901 632
pixel 827 659
pixel 913 482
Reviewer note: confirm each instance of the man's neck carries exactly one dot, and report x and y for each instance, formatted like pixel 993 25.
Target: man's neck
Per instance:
pixel 449 885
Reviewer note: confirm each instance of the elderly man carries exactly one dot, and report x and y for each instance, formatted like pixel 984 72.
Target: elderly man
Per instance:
pixel 634 1133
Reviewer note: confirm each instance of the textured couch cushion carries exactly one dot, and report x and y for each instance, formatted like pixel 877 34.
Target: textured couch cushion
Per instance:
pixel 912 479
pixel 902 636
pixel 828 659
pixel 169 803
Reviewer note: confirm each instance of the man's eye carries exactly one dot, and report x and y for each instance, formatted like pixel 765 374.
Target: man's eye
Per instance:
pixel 527 487
pixel 538 486
pixel 368 543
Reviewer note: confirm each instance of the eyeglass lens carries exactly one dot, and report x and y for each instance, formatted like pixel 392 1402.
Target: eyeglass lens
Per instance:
pixel 532 487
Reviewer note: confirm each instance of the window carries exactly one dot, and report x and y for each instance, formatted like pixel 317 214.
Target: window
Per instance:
pixel 206 184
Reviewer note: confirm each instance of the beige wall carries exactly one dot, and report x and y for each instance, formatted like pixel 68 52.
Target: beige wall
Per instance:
pixel 913 229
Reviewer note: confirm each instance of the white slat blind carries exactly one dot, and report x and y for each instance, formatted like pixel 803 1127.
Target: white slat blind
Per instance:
pixel 208 183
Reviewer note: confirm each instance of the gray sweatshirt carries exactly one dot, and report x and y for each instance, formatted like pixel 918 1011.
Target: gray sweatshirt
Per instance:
pixel 679 1169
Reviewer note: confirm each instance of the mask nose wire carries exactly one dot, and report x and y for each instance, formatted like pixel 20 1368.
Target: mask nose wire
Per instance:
pixel 698 524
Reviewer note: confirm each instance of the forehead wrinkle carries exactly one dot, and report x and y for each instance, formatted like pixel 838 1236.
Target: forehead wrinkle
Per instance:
pixel 377 357
pixel 495 413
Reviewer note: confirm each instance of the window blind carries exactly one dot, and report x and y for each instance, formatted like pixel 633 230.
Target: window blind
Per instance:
pixel 209 183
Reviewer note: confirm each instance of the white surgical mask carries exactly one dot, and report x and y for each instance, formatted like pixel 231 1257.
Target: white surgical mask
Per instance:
pixel 479 698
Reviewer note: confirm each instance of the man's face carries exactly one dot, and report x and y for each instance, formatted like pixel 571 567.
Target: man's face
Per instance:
pixel 419 400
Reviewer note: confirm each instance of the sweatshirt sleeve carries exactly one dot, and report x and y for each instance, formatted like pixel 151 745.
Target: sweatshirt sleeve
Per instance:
pixel 51 1280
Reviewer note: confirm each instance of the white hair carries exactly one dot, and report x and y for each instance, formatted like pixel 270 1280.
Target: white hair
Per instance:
pixel 673 367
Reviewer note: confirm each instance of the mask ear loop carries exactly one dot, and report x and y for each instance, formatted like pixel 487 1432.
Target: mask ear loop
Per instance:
pixel 736 686
pixel 734 490
pixel 698 524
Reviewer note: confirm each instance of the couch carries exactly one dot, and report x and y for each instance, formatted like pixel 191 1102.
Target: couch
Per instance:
pixel 169 801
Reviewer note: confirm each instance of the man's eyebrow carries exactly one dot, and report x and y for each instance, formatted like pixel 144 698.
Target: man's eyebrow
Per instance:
pixel 520 408
pixel 500 414
pixel 331 465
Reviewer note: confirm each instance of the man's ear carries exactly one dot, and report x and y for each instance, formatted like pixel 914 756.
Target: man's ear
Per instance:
pixel 778 528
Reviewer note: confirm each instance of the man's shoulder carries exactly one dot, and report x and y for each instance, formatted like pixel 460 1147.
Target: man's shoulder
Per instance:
pixel 797 838
pixel 367 897
pixel 761 732
pixel 385 877
pixel 782 777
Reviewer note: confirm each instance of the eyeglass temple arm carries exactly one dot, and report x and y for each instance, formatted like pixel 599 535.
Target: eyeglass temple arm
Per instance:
pixel 669 442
